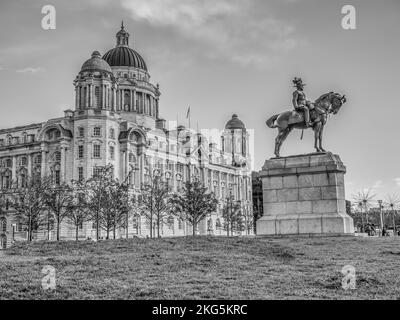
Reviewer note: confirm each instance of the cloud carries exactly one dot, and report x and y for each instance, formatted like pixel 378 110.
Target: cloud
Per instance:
pixel 1 68
pixel 31 70
pixel 397 180
pixel 238 30
pixel 377 184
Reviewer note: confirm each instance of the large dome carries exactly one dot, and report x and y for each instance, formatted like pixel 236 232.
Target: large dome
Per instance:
pixel 235 123
pixel 96 63
pixel 123 56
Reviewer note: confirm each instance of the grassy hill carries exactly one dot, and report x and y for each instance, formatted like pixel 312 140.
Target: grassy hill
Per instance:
pixel 204 268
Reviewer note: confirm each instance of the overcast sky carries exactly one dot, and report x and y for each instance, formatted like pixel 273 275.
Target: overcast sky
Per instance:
pixel 223 57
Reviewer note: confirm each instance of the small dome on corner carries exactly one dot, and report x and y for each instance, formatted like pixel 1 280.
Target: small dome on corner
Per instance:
pixel 235 123
pixel 96 63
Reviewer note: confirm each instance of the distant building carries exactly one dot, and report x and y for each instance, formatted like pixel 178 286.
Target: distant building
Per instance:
pixel 116 120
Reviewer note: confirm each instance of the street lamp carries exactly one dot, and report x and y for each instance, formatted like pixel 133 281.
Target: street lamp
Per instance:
pixel 381 215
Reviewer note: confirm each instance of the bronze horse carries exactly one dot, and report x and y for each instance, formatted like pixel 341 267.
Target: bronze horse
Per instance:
pixel 287 121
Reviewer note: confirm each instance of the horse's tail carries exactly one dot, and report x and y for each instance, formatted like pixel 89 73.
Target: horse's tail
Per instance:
pixel 271 121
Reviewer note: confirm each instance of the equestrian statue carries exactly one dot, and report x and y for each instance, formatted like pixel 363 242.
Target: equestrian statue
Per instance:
pixel 305 115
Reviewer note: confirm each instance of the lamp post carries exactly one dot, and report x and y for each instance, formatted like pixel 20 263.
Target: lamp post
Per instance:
pixel 381 215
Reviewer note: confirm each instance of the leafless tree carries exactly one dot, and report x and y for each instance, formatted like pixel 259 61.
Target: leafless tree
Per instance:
pixel 59 203
pixel 393 202
pixel 194 203
pixel 30 203
pixel 155 202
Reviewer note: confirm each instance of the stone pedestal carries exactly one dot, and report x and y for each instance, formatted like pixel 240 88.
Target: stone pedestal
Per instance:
pixel 304 194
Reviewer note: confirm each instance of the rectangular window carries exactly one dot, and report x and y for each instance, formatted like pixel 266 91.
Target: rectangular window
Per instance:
pixel 97 96
pixel 81 132
pixel 96 171
pixel 112 153
pixel 57 177
pixel 96 151
pixel 80 173
pixel 80 152
pixel 97 131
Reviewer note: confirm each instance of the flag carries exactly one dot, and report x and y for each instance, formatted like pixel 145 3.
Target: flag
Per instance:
pixel 188 113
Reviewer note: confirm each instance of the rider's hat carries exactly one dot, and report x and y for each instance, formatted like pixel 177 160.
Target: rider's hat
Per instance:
pixel 298 81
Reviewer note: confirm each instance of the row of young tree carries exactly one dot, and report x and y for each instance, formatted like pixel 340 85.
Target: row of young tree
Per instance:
pixel 109 204
pixel 367 211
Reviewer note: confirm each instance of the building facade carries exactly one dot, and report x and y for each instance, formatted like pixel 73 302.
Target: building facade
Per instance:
pixel 116 121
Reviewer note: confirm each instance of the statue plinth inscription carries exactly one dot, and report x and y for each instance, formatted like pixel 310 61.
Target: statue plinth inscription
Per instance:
pixel 304 194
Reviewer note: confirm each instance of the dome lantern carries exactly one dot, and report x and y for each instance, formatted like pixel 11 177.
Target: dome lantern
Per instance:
pixel 122 36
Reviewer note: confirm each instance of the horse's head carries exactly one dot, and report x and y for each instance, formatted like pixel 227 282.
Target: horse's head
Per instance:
pixel 337 101
pixel 331 102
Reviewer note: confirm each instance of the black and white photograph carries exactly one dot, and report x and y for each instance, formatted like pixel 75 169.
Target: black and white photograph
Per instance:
pixel 199 155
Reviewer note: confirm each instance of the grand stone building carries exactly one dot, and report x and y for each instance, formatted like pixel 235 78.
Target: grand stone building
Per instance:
pixel 116 120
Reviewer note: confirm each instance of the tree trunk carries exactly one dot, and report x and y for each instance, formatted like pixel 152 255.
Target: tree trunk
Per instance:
pixel 58 228
pixel 108 234
pixel 194 228
pixel 127 225
pixel 151 224
pixel 77 233
pixel 30 228
pixel 158 226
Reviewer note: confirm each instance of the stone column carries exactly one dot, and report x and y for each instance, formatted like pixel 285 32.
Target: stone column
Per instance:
pixel 134 106
pixel 62 164
pixel 14 169
pixel 127 175
pixel 43 164
pixel 87 96
pixel 131 106
pixel 29 166
pixel 90 96
pixel 76 97
pixel 141 166
pixel 114 102
pixel 103 96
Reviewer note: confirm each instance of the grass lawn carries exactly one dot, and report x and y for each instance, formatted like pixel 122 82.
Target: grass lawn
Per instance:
pixel 204 268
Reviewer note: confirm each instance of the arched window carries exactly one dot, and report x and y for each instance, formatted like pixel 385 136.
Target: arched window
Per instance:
pixel 24 138
pixel 218 224
pixel 3 225
pixel 3 242
pixel 132 158
pixel 8 163
pixel 6 179
pixel 23 161
pixel 209 225
pixel 38 159
pixel 127 101
pixel 112 152
pixel 9 140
